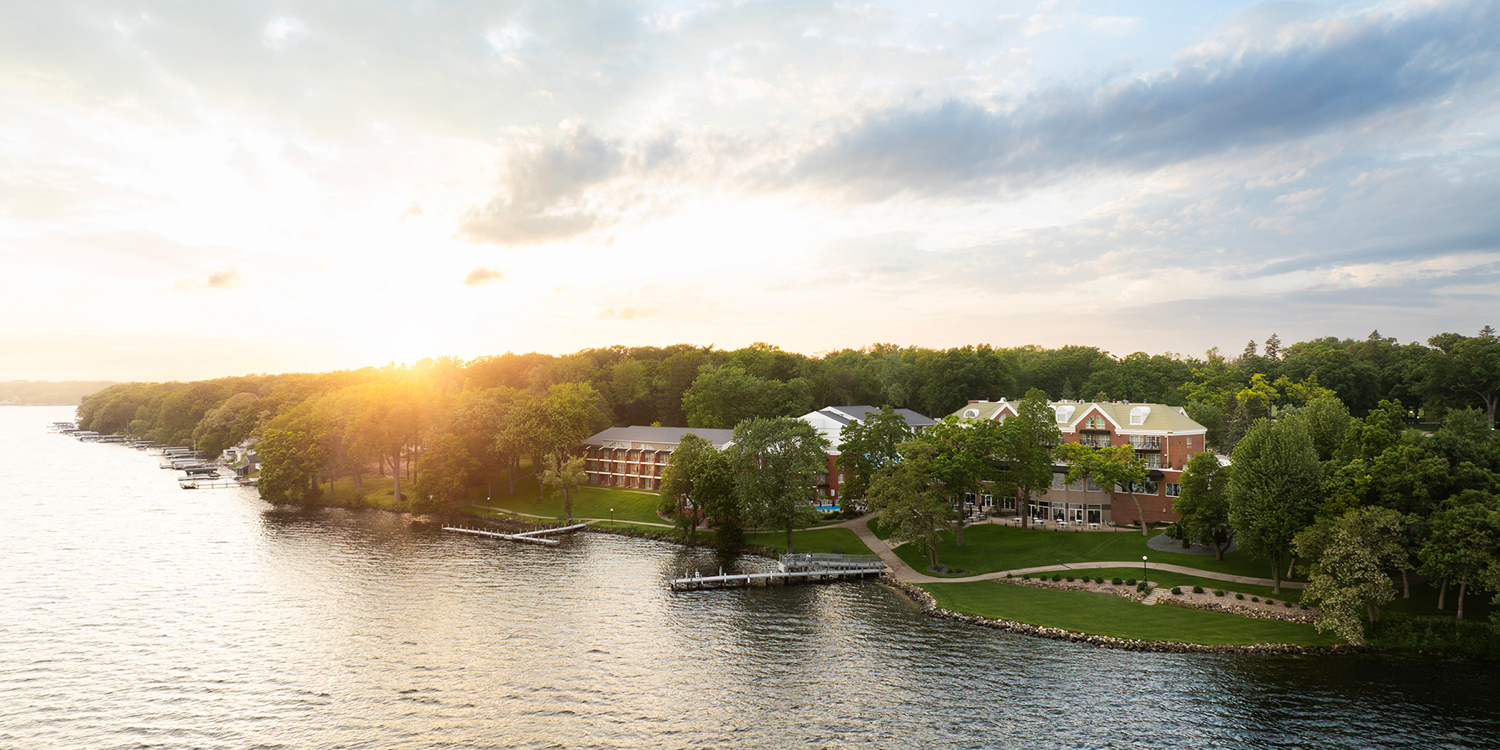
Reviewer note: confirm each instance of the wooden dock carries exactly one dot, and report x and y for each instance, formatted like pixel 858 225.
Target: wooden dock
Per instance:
pixel 697 582
pixel 532 537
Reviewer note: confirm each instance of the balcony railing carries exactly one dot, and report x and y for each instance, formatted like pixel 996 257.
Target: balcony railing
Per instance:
pixel 1145 442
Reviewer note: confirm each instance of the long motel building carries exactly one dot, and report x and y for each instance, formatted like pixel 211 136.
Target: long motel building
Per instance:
pixel 635 457
pixel 1164 437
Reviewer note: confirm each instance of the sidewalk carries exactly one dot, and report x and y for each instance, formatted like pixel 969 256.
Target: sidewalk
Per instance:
pixel 906 574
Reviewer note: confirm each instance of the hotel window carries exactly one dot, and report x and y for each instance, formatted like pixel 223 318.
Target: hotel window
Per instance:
pixel 1173 489
pixel 1091 485
pixel 1010 503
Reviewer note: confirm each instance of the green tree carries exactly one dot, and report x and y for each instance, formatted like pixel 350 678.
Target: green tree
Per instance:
pixel 291 453
pixel 1326 420
pixel 1273 490
pixel 442 477
pixel 716 493
pixel 910 499
pixel 1203 504
pixel 679 483
pixel 722 397
pixel 1462 543
pixel 967 454
pixel 868 445
pixel 1025 445
pixel 566 474
pixel 778 459
pixel 1351 559
pixel 1468 366
pixel 1116 468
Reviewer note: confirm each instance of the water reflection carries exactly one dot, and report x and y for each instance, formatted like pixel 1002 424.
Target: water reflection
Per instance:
pixel 135 614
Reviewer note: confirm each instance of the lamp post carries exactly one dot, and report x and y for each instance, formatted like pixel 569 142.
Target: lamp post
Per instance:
pixel 1143 568
pixel 611 515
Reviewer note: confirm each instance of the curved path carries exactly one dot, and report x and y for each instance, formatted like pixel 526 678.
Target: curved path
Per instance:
pixel 576 519
pixel 907 574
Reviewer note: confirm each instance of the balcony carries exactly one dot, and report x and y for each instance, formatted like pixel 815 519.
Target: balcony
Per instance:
pixel 1145 442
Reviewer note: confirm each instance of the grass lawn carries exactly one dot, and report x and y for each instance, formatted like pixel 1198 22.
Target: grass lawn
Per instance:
pixel 812 540
pixel 880 532
pixel 1106 614
pixel 588 502
pixel 991 547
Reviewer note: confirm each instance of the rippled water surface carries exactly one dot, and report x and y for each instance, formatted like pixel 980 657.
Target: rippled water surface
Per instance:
pixel 137 615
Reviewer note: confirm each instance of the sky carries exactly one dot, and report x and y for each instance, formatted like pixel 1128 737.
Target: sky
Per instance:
pixel 196 190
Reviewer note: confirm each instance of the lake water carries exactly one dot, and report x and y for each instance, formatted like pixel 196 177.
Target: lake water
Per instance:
pixel 134 614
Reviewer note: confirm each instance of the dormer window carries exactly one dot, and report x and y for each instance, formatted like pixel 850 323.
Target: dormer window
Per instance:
pixel 1138 414
pixel 1064 413
pixel 970 413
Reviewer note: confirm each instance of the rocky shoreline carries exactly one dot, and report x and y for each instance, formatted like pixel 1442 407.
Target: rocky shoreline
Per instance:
pixel 929 607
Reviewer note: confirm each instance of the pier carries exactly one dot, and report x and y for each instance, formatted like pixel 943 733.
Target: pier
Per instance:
pixel 532 537
pixel 804 568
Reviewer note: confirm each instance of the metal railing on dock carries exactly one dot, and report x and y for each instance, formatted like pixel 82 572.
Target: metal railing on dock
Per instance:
pixel 828 561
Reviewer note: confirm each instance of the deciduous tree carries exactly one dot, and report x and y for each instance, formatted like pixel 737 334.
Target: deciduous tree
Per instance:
pixel 1273 490
pixel 778 459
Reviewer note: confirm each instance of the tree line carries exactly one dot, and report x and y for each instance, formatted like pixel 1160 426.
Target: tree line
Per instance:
pixel 477 422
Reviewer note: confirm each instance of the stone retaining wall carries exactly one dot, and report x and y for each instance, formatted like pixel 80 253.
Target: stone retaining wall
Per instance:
pixel 929 607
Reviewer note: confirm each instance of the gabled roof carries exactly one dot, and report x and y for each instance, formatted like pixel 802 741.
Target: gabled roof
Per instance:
pixel 1159 418
pixel 635 436
pixel 847 414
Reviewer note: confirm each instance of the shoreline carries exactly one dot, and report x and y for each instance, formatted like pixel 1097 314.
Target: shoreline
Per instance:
pixel 928 606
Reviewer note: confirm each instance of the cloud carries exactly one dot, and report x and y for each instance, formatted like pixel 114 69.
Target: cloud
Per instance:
pixel 626 313
pixel 543 196
pixel 1310 78
pixel 481 276
pixel 223 279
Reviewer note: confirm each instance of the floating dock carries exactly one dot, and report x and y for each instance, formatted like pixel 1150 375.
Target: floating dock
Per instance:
pixel 533 537
pixel 804 568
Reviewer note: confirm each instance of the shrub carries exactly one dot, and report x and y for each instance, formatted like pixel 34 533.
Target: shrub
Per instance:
pixel 1007 575
pixel 1271 602
pixel 1239 596
pixel 1026 577
pixel 1056 578
pixel 1254 598
pixel 1116 582
pixel 1288 604
pixel 1218 592
pixel 1099 580
pixel 1070 579
pixel 1143 586
pixel 1197 589
pixel 1129 581
pixel 1304 606
pixel 1176 591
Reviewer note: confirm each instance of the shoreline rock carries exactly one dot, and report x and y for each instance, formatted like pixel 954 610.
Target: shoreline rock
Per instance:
pixel 929 607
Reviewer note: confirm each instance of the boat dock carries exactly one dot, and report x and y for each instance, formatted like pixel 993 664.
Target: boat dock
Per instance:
pixel 804 568
pixel 533 537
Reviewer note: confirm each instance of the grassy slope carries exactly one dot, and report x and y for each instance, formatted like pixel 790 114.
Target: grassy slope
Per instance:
pixel 812 540
pixel 991 547
pixel 588 502
pixel 1105 614
pixel 1169 579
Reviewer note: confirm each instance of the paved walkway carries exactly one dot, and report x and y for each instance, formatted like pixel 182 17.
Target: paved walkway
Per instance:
pixel 575 520
pixel 906 574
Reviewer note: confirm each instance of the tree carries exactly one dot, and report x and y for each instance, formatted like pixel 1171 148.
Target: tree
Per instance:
pixel 1352 558
pixel 1273 490
pixel 910 499
pixel 868 445
pixel 1466 365
pixel 442 476
pixel 778 459
pixel 1326 420
pixel 679 483
pixel 715 492
pixel 966 455
pixel 565 473
pixel 1203 504
pixel 724 396
pixel 1116 468
pixel 1462 543
pixel 1025 444
pixel 291 452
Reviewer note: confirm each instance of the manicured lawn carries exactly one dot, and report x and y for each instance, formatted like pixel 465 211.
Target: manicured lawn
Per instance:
pixel 1106 614
pixel 812 540
pixel 879 531
pixel 588 502
pixel 991 547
